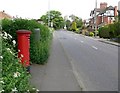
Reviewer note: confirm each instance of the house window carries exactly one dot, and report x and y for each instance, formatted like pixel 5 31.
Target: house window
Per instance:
pixel 110 12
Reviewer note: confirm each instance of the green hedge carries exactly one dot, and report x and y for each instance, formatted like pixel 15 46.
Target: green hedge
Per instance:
pixel 103 32
pixel 13 77
pixel 110 31
pixel 11 26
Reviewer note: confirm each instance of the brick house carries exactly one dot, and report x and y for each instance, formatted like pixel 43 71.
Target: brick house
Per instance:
pixel 104 15
pixel 4 15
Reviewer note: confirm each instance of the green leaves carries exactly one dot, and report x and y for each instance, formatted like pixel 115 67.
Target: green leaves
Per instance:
pixel 74 26
pixel 55 17
pixel 14 75
pixel 38 52
pixel 110 31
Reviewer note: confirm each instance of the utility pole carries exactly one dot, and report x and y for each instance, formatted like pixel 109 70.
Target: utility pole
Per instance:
pixel 119 10
pixel 48 13
pixel 95 18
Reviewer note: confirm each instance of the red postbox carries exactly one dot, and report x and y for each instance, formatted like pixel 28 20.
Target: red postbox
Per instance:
pixel 23 39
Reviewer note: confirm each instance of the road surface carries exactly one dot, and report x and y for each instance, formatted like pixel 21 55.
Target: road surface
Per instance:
pixel 94 64
pixel 77 63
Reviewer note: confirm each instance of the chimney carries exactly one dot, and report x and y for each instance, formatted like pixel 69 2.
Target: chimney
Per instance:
pixel 103 5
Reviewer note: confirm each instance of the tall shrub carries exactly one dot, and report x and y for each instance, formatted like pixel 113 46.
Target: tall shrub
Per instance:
pixel 11 26
pixel 74 26
pixel 103 32
pixel 111 30
pixel 117 28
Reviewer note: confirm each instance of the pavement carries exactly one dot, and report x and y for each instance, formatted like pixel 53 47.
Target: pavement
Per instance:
pixel 77 63
pixel 57 74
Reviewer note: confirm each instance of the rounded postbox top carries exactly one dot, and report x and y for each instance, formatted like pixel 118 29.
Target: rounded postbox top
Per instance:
pixel 23 32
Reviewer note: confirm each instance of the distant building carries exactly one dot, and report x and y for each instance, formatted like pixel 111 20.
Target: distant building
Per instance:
pixel 104 15
pixel 4 15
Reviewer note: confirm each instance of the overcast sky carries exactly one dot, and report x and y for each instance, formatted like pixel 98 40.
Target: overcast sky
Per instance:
pixel 36 8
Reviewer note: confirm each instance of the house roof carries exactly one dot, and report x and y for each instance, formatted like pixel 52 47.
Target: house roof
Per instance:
pixel 93 11
pixel 102 11
pixel 4 15
pixel 108 8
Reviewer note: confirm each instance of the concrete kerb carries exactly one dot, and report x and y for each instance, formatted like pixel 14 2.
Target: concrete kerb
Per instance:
pixel 110 42
pixel 80 83
pixel 107 41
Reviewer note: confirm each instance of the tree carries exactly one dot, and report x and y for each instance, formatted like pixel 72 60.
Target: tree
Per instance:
pixel 79 23
pixel 68 24
pixel 55 17
pixel 73 17
pixel 76 19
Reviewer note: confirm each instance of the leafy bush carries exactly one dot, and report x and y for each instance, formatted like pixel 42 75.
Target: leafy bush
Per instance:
pixel 74 26
pixel 77 30
pixel 110 31
pixel 11 26
pixel 91 34
pixel 118 37
pixel 14 76
pixel 103 32
pixel 68 24
pixel 117 28
pixel 41 51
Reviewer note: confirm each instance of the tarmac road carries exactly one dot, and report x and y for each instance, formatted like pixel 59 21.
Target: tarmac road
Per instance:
pixel 78 63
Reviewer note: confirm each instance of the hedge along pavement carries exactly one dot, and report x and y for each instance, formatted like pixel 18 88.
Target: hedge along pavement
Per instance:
pixel 39 51
pixel 14 77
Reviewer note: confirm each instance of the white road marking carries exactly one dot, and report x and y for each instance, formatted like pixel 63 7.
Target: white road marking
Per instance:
pixel 94 47
pixel 81 41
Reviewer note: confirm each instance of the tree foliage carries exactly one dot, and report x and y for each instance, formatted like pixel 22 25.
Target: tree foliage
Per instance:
pixel 78 20
pixel 55 17
pixel 68 24
pixel 74 27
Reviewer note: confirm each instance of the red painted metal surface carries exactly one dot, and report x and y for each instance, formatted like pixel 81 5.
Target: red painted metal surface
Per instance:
pixel 23 39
